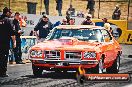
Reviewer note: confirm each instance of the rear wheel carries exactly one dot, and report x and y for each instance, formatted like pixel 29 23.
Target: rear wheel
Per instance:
pixel 37 71
pixel 115 66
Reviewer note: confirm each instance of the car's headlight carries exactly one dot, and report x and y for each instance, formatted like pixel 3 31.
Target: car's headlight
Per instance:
pixel 89 55
pixel 33 53
pixel 36 53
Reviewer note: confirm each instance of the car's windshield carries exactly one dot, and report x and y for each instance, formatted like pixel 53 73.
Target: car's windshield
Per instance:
pixel 80 34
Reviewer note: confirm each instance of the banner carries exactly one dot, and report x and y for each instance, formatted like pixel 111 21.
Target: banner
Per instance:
pixel 27 42
pixel 120 30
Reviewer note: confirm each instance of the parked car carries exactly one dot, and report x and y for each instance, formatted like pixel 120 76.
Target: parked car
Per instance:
pixel 69 46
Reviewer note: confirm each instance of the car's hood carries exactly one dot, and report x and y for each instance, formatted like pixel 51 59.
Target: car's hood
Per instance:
pixel 66 44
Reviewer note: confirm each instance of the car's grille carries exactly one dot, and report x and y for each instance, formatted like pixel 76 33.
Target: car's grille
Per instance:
pixel 73 55
pixel 52 55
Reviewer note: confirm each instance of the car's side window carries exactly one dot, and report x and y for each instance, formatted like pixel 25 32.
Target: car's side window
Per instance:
pixel 106 36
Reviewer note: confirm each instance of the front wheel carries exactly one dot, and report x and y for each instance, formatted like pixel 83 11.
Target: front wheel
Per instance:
pixel 37 71
pixel 98 68
pixel 115 66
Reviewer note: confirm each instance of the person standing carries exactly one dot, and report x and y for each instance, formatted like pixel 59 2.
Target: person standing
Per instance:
pixel 22 22
pixel 6 33
pixel 90 7
pixel 88 20
pixel 59 6
pixel 71 11
pixel 67 17
pixel 46 3
pixel 71 21
pixel 44 26
pixel 116 13
pixel 18 32
pixel 10 15
pixel 64 21
pixel 107 25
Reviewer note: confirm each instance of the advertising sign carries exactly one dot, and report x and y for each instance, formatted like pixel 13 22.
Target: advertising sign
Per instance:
pixel 27 42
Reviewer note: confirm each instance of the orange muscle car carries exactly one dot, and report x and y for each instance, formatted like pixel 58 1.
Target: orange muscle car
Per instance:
pixel 69 46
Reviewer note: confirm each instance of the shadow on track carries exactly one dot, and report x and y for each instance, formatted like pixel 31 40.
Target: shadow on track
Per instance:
pixel 55 75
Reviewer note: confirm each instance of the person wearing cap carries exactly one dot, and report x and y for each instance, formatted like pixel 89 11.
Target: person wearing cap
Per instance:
pixel 72 21
pixel 64 21
pixel 107 25
pixel 116 14
pixel 88 20
pixel 6 33
pixel 18 32
pixel 44 26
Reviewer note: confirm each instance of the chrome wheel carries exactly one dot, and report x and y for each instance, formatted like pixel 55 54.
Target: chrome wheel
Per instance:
pixel 118 62
pixel 101 66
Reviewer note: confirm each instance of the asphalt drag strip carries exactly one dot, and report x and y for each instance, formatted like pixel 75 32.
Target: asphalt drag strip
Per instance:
pixel 21 76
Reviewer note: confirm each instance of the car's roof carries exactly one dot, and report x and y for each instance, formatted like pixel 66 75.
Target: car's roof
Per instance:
pixel 79 27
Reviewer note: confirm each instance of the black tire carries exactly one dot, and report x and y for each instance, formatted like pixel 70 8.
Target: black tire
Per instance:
pixel 37 71
pixel 98 68
pixel 115 66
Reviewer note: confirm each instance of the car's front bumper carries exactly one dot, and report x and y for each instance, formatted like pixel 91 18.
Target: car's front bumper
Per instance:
pixel 65 63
